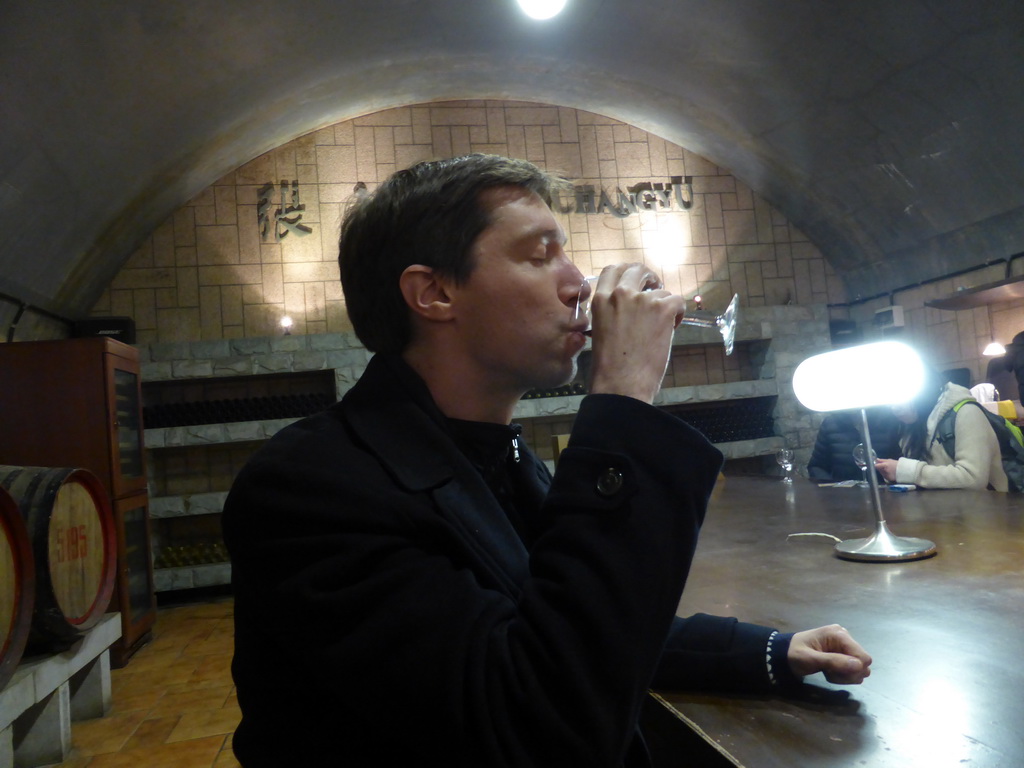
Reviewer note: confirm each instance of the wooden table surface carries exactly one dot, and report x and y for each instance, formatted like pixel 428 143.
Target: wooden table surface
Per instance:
pixel 946 633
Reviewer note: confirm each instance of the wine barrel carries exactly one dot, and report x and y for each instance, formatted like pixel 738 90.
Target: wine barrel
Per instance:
pixel 17 587
pixel 71 528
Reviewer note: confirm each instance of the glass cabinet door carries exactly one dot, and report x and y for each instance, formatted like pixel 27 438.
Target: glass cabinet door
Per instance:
pixel 138 576
pixel 136 598
pixel 129 470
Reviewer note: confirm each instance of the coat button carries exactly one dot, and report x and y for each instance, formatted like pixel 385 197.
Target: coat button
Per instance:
pixel 609 482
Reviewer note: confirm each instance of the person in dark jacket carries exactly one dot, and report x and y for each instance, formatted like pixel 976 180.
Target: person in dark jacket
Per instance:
pixel 999 373
pixel 411 584
pixel 1014 361
pixel 840 432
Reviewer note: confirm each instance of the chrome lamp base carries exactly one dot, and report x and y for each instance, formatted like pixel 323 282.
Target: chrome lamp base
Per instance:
pixel 882 546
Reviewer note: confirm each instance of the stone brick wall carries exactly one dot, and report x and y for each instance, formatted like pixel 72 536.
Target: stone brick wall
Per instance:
pixel 948 339
pixel 208 274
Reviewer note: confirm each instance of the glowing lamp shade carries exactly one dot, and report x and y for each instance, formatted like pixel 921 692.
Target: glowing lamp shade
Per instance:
pixel 883 373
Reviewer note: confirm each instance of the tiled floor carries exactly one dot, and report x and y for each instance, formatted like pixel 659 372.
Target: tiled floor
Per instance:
pixel 174 705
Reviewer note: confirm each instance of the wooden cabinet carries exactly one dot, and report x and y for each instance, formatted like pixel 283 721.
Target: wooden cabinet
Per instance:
pixel 75 402
pixel 78 403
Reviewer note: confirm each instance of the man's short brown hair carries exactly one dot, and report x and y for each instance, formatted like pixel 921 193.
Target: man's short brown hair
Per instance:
pixel 428 214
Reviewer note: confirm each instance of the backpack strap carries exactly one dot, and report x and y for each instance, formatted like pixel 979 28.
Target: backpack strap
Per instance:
pixel 945 430
pixel 1008 435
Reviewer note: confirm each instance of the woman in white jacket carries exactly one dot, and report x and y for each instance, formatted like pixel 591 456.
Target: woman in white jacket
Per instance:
pixel 925 463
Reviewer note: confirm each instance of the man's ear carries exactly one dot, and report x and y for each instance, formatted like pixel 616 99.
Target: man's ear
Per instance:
pixel 425 292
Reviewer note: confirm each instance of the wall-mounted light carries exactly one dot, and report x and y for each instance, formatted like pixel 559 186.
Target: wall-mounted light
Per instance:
pixel 541 9
pixel 665 239
pixel 286 325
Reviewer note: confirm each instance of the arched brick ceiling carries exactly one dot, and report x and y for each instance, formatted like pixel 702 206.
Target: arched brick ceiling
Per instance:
pixel 888 130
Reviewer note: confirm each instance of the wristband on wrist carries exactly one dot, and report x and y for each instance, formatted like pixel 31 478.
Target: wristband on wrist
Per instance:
pixel 769 661
pixel 780 675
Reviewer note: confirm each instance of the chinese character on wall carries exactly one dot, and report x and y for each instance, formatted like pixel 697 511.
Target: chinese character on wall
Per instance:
pixel 286 217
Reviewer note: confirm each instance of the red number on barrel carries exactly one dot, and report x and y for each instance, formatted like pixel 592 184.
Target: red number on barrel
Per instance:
pixel 72 543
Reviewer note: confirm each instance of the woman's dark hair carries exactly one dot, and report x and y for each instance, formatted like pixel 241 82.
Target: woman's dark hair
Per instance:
pixel 913 437
pixel 428 214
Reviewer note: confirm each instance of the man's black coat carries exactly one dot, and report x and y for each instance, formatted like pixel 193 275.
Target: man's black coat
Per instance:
pixel 387 612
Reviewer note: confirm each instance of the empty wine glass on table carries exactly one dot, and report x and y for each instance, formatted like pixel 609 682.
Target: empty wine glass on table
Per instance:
pixel 784 458
pixel 860 459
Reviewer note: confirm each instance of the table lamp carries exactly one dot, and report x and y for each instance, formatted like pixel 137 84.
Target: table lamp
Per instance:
pixel 868 375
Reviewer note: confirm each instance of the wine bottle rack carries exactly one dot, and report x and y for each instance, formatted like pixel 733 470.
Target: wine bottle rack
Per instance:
pixel 748 419
pixel 576 388
pixel 201 553
pixel 239 409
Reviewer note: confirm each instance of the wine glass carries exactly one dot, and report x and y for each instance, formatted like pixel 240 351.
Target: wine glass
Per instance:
pixel 724 323
pixel 860 459
pixel 784 458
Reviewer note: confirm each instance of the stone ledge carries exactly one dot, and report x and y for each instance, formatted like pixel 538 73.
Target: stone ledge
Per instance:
pixel 40 701
pixel 213 434
pixel 192 576
pixel 187 505
pixel 700 393
pixel 745 449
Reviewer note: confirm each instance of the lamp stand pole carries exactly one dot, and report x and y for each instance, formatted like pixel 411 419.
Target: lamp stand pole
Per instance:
pixel 882 545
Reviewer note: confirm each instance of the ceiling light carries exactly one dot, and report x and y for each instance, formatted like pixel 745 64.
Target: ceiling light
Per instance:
pixel 994 349
pixel 541 9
